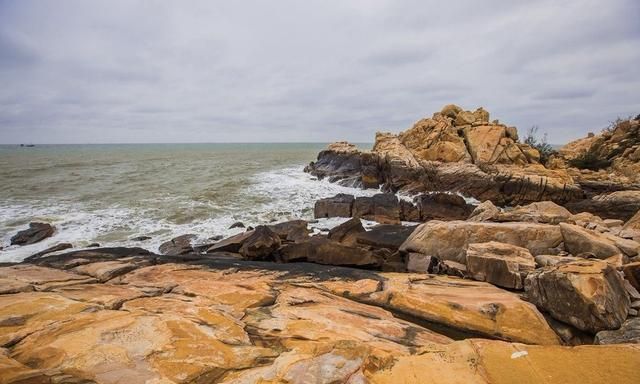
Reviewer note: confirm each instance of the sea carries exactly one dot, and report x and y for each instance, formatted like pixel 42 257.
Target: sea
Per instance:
pixel 112 193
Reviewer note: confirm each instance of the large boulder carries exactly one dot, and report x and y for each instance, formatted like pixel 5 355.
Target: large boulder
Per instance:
pixel 500 264
pixel 629 333
pixel 347 232
pixel 293 230
pixel 589 295
pixel 35 233
pixel 261 244
pixel 485 211
pixel 580 241
pixel 442 206
pixel 324 251
pixel 632 274
pixel 385 236
pixel 449 240
pixel 230 244
pixel 382 207
pixel 178 245
pixel 339 205
pixel 546 212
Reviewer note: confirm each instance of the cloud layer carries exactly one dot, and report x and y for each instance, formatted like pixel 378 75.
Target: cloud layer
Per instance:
pixel 287 70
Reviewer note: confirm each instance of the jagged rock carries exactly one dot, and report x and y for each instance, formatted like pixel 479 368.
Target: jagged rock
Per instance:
pixel 383 208
pixel 294 230
pixel 347 232
pixel 633 223
pixel 546 212
pixel 385 236
pixel 632 274
pixel 442 206
pixel 36 232
pixel 230 244
pixel 261 244
pixel 449 240
pixel 500 264
pixel 551 260
pixel 485 211
pixel 629 332
pixel 579 241
pixel 178 245
pixel 620 205
pixel 338 206
pixel 409 212
pixel 324 251
pixel 589 295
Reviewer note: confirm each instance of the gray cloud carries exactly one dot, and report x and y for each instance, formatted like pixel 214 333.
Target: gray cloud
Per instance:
pixel 138 71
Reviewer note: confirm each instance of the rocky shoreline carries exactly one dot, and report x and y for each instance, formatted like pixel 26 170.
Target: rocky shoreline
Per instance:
pixel 487 265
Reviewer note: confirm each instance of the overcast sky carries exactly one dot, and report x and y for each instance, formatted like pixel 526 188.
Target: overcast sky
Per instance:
pixel 278 71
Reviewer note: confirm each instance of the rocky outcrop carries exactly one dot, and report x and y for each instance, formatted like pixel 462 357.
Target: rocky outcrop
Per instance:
pixel 340 205
pixel 35 233
pixel 589 295
pixel 621 205
pixel 382 207
pixel 446 153
pixel 261 244
pixel 450 240
pixel 442 206
pixel 500 264
pixel 177 246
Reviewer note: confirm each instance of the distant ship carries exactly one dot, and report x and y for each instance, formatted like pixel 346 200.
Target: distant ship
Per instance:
pixel 27 145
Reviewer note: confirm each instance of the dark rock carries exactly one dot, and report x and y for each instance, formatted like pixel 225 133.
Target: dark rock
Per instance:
pixel 260 244
pixel 324 251
pixel 382 207
pixel 177 246
pixel 339 205
pixel 620 205
pixel 386 236
pixel 216 238
pixel 237 224
pixel 590 294
pixel 632 274
pixel 629 332
pixel 294 230
pixel 230 244
pixel 443 206
pixel 141 238
pixel 409 212
pixel 570 335
pixel 36 232
pixel 347 232
pixel 55 248
pixel 93 245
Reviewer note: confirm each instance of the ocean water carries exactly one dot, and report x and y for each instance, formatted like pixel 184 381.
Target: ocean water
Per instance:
pixel 111 193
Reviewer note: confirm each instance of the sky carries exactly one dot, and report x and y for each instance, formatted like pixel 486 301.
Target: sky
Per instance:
pixel 309 71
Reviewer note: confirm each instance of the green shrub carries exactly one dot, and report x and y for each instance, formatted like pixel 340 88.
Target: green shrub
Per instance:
pixel 541 144
pixel 589 160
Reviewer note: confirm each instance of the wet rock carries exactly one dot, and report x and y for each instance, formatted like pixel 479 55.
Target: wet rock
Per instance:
pixel 580 241
pixel 500 264
pixel 36 232
pixel 443 206
pixel 261 244
pixel 177 246
pixel 338 206
pixel 141 238
pixel 589 295
pixel 294 230
pixel 629 332
pixel 55 248
pixel 93 245
pixel 216 238
pixel 346 233
pixel 324 251
pixel 449 240
pixel 385 236
pixel 237 224
pixel 383 208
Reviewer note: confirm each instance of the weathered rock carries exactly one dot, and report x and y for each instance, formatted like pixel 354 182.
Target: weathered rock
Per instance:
pixel 629 332
pixel 449 240
pixel 177 246
pixel 294 230
pixel 546 212
pixel 442 206
pixel 324 251
pixel 551 260
pixel 261 244
pixel 338 206
pixel 55 248
pixel 385 236
pixel 347 232
pixel 230 244
pixel 417 262
pixel 141 238
pixel 632 273
pixel 237 224
pixel 409 212
pixel 500 264
pixel 589 295
pixel 579 241
pixel 35 233
pixel 621 205
pixel 382 207
pixel 485 211
pixel 107 270
pixel 633 223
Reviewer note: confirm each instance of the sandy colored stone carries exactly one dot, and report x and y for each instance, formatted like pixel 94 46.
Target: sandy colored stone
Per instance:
pixel 40 278
pixel 546 212
pixel 449 240
pixel 106 270
pixel 579 241
pixel 500 264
